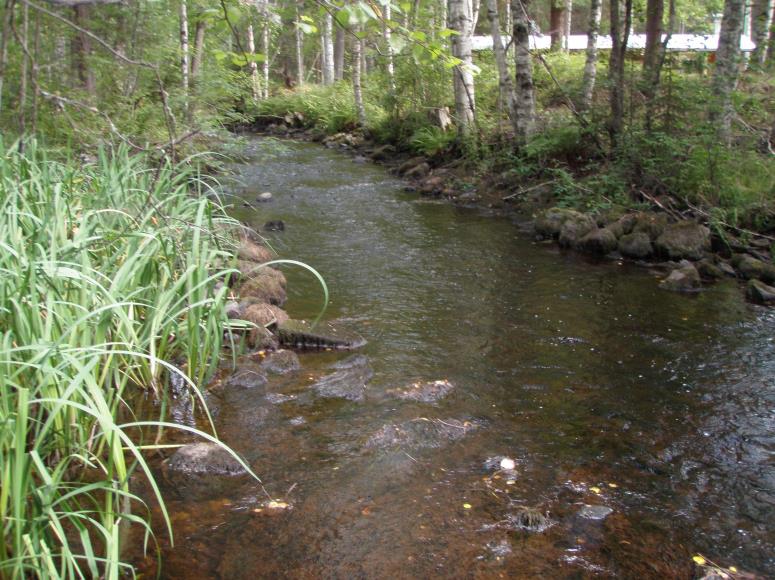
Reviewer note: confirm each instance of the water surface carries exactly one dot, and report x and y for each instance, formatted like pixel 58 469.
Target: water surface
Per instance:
pixel 604 389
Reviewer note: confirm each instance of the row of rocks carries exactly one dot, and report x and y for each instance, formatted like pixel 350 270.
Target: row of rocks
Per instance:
pixel 687 245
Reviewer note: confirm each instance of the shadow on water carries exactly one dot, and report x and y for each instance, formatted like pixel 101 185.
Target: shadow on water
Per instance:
pixel 605 390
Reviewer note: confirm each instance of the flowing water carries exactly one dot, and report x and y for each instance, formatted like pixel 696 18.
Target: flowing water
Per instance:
pixel 603 389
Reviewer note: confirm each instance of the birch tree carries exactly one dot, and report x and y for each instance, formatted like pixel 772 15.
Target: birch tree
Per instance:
pixel 265 49
pixel 184 66
pixel 339 50
pixel 590 66
pixel 761 20
pixel 299 48
pixel 356 65
pixel 461 20
pixel 504 78
pixel 386 34
pixel 199 49
pixel 328 49
pixel 524 94
pixel 254 81
pixel 567 24
pixel 727 66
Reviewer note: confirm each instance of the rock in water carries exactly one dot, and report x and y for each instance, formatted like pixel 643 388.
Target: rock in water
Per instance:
pixel 347 383
pixel 683 240
pixel 204 459
pixel 594 512
pixel 301 334
pixel 264 197
pixel 759 292
pixel 686 278
pixel 635 245
pixel 428 392
pixel 599 241
pixel 281 362
pixel 420 433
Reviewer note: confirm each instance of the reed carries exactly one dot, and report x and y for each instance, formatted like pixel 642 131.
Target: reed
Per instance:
pixel 107 287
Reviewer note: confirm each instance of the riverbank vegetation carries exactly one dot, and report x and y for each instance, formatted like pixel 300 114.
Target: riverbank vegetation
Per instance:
pixel 107 290
pixel 110 259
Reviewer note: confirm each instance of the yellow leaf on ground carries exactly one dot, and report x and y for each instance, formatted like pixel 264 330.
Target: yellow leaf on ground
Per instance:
pixel 699 560
pixel 594 489
pixel 467 506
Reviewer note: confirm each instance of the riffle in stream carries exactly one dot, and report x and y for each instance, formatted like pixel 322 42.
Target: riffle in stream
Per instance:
pixel 641 423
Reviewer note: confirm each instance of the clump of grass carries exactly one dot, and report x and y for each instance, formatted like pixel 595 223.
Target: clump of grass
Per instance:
pixel 107 286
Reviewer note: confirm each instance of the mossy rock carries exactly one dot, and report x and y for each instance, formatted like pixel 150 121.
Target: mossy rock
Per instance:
pixel 651 224
pixel 683 240
pixel 265 287
pixel 636 245
pixel 600 241
pixel 760 293
pixel 250 251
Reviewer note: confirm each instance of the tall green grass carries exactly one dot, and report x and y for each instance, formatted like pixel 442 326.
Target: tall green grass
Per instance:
pixel 107 287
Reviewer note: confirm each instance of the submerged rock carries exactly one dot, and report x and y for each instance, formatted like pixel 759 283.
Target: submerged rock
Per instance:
pixel 635 245
pixel 347 383
pixel 529 520
pixel 683 240
pixel 759 292
pixel 281 362
pixel 428 392
pixel 274 226
pixel 301 334
pixel 594 512
pixel 247 378
pixel 685 278
pixel 420 433
pixel 204 459
pixel 264 197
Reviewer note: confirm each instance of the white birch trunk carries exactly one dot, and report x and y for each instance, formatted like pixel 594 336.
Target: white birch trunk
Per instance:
pixel 590 66
pixel 339 50
pixel 299 50
pixel 443 14
pixel 762 20
pixel 504 78
pixel 357 89
pixel 184 51
pixel 199 50
pixel 524 93
pixel 386 33
pixel 567 25
pixel 461 20
pixel 255 83
pixel 727 64
pixel 328 50
pixel 265 49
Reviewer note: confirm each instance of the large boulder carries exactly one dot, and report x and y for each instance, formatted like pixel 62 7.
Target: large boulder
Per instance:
pixel 599 241
pixel 265 287
pixel 575 228
pixel 750 268
pixel 683 240
pixel 251 251
pixel 759 292
pixel 263 314
pixel 301 334
pixel 651 224
pixel 636 245
pixel 623 225
pixel 549 223
pixel 685 278
pixel 346 383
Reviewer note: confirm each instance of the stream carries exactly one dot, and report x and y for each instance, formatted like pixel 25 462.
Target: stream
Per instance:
pixel 641 423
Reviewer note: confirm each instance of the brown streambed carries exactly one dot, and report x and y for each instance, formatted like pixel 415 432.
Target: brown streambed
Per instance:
pixel 605 390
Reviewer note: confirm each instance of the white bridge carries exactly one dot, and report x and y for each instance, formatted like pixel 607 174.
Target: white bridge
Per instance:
pixel 678 42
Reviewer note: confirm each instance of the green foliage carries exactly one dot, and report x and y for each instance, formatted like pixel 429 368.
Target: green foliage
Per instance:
pixel 108 273
pixel 430 141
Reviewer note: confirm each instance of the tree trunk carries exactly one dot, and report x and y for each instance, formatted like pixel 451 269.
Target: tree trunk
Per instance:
pixel 184 52
pixel 461 21
pixel 654 15
pixel 567 25
pixel 328 50
pixel 727 65
pixel 7 16
pixel 762 19
pixel 524 101
pixel 357 90
pixel 299 49
pixel 255 83
pixel 621 18
pixel 653 73
pixel 265 49
pixel 25 68
pixel 590 66
pixel 199 50
pixel 504 78
pixel 443 14
pixel 386 33
pixel 339 50
pixel 82 50
pixel 556 20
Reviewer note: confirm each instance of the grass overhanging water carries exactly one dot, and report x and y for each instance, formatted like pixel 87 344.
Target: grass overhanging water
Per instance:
pixel 108 277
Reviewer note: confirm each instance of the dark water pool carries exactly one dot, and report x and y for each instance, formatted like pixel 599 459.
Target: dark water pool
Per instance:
pixel 603 389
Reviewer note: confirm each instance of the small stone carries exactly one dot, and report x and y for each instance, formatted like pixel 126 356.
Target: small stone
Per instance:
pixel 594 512
pixel 508 464
pixel 709 270
pixel 204 459
pixel 274 226
pixel 264 197
pixel 686 278
pixel 281 362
